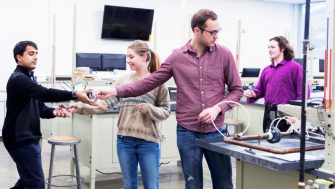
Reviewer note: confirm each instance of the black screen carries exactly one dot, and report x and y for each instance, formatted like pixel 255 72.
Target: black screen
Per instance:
pixel 299 60
pixel 321 65
pixel 250 72
pixel 113 62
pixel 127 23
pixel 91 60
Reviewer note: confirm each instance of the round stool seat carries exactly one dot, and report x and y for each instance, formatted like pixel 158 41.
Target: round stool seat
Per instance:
pixel 68 141
pixel 64 140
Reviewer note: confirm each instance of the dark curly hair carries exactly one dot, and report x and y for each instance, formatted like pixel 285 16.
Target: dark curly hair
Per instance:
pixel 284 44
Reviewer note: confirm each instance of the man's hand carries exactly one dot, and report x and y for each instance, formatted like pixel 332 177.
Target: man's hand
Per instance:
pixel 249 93
pixel 291 120
pixel 105 93
pixel 209 114
pixel 82 96
pixel 59 112
pixel 72 107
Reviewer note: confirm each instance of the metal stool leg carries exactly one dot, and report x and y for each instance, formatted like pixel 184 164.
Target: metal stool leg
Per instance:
pixel 51 165
pixel 77 165
pixel 65 141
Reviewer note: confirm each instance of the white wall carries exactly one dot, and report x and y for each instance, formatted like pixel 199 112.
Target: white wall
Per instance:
pixel 23 20
pixel 55 23
pixel 260 21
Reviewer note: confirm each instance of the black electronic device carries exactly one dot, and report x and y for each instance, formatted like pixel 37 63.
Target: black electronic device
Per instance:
pixel 91 60
pixel 173 93
pixel 112 62
pixel 250 72
pixel 127 23
pixel 321 65
pixel 299 60
pixel 90 95
pixel 274 132
pixel 312 102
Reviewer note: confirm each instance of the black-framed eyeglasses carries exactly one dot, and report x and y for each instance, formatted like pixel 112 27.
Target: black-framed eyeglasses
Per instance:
pixel 213 33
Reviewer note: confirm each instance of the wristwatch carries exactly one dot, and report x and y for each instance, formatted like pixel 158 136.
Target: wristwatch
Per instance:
pixel 74 95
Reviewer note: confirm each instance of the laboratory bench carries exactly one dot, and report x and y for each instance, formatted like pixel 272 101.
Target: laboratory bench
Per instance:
pixel 256 169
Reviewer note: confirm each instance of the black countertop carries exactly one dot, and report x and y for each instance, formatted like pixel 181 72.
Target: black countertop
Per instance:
pixel 314 159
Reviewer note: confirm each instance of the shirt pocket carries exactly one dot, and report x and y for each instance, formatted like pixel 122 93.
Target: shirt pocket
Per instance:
pixel 214 73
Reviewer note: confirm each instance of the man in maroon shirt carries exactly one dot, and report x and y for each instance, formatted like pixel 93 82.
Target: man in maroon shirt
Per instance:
pixel 202 69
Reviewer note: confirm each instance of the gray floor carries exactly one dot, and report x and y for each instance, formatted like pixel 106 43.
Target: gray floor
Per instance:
pixel 170 175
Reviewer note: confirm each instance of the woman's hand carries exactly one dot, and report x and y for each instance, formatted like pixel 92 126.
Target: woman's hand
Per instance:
pixel 59 112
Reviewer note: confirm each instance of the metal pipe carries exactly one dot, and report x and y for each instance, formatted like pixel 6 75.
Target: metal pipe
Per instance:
pixel 303 105
pixel 259 136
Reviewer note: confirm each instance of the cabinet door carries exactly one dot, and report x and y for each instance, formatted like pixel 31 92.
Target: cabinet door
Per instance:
pixel 169 147
pixel 104 140
pixel 115 130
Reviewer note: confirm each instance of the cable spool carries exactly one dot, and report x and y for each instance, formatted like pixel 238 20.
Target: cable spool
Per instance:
pixel 274 135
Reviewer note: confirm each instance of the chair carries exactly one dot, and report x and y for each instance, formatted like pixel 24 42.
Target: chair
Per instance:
pixel 64 141
pixel 235 124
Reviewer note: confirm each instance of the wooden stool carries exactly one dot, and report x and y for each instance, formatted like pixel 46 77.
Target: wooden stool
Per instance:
pixel 64 141
pixel 237 124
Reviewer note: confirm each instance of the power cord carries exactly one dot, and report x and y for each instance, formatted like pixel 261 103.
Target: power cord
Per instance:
pixel 245 109
pixel 110 173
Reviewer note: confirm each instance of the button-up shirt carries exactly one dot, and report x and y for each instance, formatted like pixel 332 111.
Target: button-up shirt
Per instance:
pixel 201 83
pixel 279 84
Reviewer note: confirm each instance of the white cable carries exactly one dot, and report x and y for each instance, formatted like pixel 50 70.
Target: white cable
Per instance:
pixel 279 119
pixel 285 118
pixel 272 122
pixel 217 128
pixel 245 109
pixel 307 135
pixel 317 134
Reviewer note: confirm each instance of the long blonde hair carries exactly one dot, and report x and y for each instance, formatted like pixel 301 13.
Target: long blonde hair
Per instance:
pixel 140 47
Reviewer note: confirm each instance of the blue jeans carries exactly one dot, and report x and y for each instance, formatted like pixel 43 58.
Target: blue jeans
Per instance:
pixel 133 151
pixel 191 160
pixel 29 166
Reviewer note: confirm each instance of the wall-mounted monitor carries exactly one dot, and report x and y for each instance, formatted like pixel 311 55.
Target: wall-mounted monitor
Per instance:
pixel 250 72
pixel 91 60
pixel 127 23
pixel 113 62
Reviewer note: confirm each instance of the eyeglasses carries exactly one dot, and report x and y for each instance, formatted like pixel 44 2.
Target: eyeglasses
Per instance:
pixel 213 33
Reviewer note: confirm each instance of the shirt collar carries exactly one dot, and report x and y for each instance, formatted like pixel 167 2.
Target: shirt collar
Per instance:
pixel 279 64
pixel 188 48
pixel 25 71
